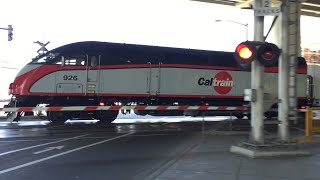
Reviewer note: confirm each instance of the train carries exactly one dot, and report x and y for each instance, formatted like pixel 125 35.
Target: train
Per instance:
pixel 93 73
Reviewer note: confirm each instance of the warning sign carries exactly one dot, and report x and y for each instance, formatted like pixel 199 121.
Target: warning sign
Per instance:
pixel 267 11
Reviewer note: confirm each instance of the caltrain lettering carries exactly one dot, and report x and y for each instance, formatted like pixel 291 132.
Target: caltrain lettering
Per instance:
pixel 205 82
pixel 222 83
pixel 215 82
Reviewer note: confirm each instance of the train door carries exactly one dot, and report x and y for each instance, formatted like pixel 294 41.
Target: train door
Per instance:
pixel 154 78
pixel 93 74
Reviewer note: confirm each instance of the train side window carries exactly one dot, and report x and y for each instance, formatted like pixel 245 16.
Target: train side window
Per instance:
pixel 75 61
pixel 46 58
pixel 94 61
pixel 70 62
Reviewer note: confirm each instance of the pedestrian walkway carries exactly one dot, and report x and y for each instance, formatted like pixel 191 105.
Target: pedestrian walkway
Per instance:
pixel 211 159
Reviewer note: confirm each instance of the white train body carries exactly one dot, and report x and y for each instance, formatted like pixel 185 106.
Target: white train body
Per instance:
pixel 161 82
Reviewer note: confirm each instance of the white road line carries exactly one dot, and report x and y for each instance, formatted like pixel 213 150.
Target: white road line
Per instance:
pixel 61 154
pixel 147 135
pixel 30 140
pixel 49 149
pixel 39 145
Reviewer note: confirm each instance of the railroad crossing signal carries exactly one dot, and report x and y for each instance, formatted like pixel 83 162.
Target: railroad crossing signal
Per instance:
pixel 266 53
pixel 245 54
pixel 10 34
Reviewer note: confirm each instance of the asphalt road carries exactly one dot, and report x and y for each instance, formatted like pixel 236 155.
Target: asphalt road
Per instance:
pixel 35 150
pixel 87 150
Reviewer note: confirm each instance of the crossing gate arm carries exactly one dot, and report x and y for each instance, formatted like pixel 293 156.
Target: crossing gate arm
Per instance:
pixel 97 108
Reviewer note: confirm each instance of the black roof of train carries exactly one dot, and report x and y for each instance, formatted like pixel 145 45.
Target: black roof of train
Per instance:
pixel 115 53
pixel 170 55
pixel 96 46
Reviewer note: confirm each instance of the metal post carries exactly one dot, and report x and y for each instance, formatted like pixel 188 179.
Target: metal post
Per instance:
pixel 202 128
pixel 247 31
pixel 307 121
pixel 257 125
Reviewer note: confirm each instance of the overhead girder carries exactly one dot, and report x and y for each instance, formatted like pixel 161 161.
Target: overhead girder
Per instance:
pixel 308 7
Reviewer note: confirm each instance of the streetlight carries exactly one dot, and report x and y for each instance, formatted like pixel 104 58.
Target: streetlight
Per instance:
pixel 246 25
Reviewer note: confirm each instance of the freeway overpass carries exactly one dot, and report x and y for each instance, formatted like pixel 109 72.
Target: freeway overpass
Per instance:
pixel 308 7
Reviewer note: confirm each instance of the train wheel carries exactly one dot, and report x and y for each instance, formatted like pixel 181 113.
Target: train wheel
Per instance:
pixel 269 115
pixel 108 116
pixel 240 116
pixel 140 112
pixel 58 117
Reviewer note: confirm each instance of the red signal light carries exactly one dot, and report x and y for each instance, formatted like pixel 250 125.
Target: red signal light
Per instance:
pixel 268 55
pixel 244 52
pixel 102 104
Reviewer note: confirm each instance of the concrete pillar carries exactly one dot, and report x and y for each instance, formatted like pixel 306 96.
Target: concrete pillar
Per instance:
pixel 290 45
pixel 257 111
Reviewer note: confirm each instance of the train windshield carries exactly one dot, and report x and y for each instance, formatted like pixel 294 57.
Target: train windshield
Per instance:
pixel 41 59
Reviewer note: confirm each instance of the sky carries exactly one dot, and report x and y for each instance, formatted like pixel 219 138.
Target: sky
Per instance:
pixel 172 23
pixel 177 23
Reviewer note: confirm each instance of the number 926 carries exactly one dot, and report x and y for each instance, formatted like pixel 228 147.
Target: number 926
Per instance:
pixel 70 78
